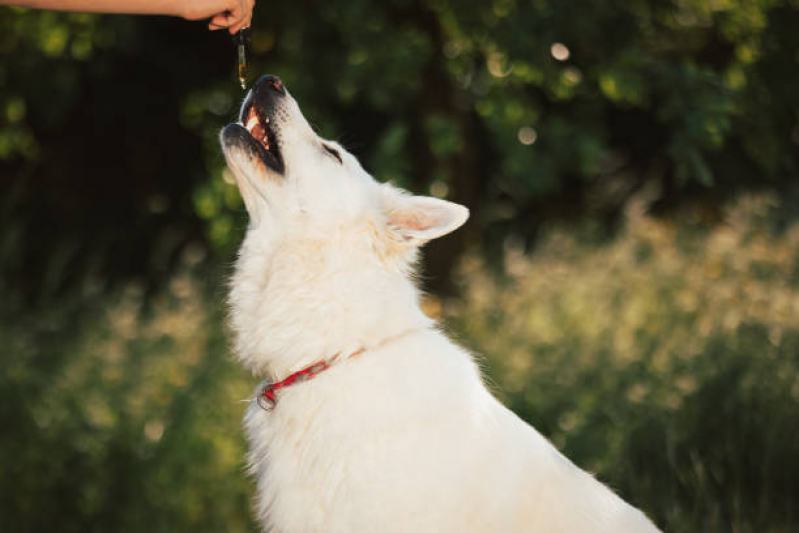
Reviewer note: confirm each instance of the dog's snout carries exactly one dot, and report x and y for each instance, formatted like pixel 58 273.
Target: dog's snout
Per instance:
pixel 272 82
pixel 266 95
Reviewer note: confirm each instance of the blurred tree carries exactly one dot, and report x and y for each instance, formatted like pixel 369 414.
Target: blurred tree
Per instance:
pixel 524 111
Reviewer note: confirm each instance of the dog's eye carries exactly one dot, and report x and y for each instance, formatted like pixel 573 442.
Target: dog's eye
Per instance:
pixel 333 152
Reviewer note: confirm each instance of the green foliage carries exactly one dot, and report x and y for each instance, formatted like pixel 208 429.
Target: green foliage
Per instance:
pixel 124 420
pixel 666 361
pixel 524 111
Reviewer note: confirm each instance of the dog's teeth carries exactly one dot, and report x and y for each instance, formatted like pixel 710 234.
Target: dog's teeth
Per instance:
pixel 251 123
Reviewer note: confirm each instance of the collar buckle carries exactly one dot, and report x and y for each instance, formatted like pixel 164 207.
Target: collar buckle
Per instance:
pixel 265 400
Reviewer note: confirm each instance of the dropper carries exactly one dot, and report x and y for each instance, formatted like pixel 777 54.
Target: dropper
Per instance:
pixel 241 39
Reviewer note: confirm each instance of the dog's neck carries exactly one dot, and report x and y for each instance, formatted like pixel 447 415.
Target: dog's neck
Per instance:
pixel 268 396
pixel 337 358
pixel 293 304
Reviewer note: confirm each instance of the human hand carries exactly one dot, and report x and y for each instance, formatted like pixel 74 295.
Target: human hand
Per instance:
pixel 231 14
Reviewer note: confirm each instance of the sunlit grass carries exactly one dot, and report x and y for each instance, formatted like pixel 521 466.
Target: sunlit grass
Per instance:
pixel 667 360
pixel 128 420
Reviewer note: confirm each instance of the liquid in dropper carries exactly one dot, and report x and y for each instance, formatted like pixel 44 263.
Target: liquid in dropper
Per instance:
pixel 241 47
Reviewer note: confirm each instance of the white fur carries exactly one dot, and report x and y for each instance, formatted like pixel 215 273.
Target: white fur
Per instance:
pixel 405 436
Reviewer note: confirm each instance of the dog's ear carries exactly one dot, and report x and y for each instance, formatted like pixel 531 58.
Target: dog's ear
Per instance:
pixel 418 219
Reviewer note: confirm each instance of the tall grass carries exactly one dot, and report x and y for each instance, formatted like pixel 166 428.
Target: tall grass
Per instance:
pixel 126 418
pixel 667 361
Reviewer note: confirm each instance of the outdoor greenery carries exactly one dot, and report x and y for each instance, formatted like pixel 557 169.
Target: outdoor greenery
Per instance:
pixel 628 275
pixel 125 419
pixel 666 361
pixel 526 111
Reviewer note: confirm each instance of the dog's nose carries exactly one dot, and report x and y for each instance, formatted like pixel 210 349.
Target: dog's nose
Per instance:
pixel 273 82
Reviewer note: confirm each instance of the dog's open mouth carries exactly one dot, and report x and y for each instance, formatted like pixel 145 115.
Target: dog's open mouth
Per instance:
pixel 258 126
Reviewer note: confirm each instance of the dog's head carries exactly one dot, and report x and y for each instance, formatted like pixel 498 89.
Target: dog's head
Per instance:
pixel 287 174
pixel 328 247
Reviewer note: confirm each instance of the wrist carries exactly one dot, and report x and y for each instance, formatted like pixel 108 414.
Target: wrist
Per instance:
pixel 180 8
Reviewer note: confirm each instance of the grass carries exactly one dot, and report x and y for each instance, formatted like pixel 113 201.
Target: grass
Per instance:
pixel 666 361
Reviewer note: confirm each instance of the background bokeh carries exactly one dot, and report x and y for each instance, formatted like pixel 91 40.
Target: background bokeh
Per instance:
pixel 629 276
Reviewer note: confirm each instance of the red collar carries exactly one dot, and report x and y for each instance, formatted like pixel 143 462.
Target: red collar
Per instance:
pixel 267 398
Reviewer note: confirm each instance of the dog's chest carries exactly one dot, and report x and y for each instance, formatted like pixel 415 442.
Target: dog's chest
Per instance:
pixel 326 460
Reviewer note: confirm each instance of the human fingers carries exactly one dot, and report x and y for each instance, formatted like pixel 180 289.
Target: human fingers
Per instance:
pixel 239 11
pixel 238 16
pixel 246 19
pixel 250 6
pixel 221 21
pixel 241 25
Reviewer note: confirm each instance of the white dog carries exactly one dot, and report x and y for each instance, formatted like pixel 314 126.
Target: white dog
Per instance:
pixel 396 431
